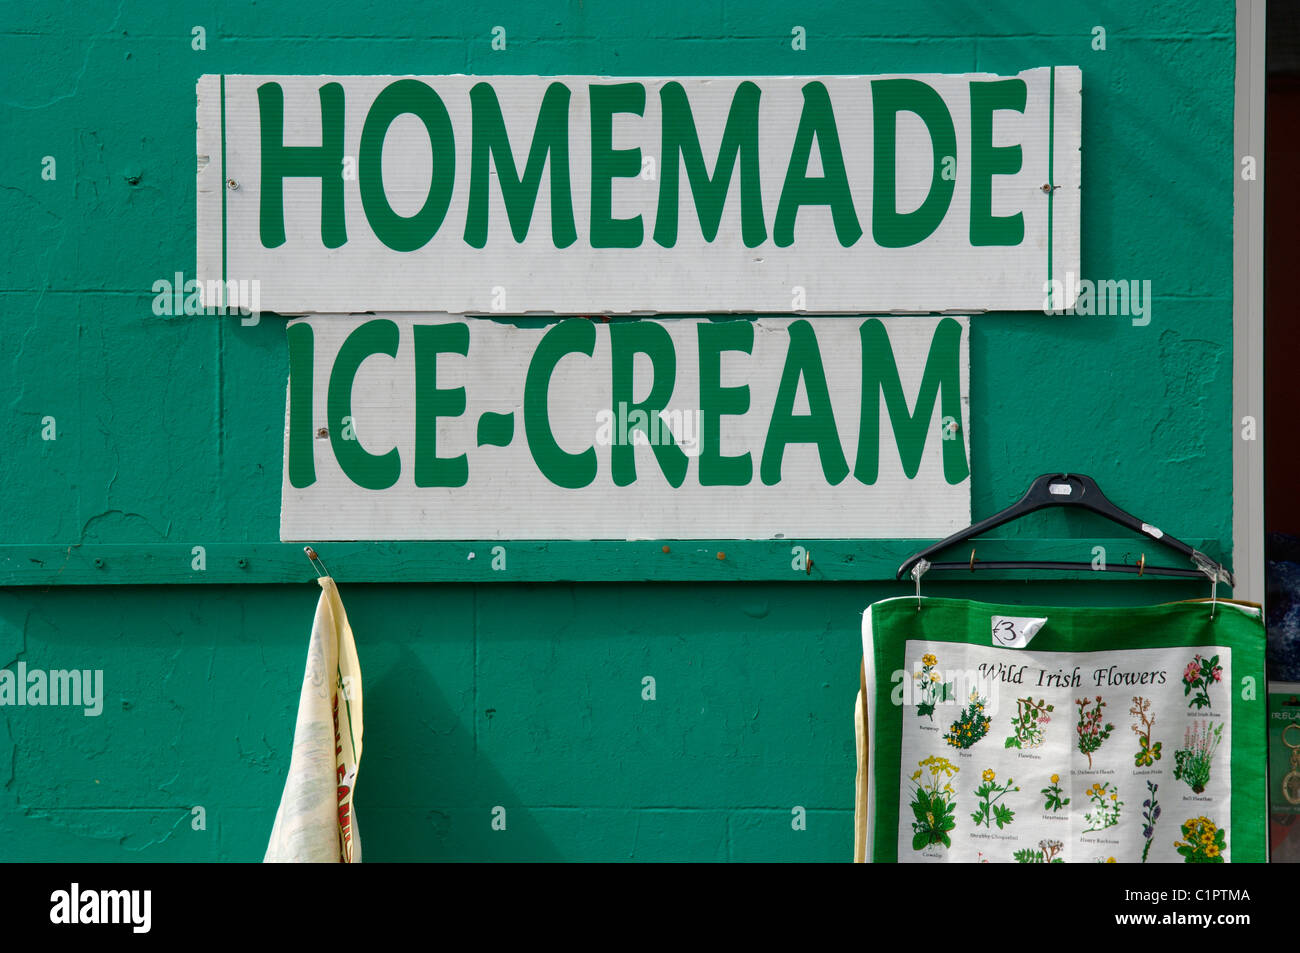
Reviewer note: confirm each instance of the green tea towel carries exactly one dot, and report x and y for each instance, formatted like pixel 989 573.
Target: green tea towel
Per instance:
pixel 1006 733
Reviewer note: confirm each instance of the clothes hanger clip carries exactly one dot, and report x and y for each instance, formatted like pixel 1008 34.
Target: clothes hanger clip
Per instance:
pixel 919 570
pixel 1215 573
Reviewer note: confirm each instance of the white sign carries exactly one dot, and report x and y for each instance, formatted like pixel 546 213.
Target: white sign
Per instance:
pixel 598 195
pixel 445 427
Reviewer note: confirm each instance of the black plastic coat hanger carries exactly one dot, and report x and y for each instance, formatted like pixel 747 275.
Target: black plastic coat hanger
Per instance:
pixel 1067 489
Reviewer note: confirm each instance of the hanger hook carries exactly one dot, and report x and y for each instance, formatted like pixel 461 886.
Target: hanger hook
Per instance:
pixel 919 570
pixel 1215 573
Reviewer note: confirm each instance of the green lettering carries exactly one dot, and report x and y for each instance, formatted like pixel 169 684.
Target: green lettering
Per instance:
pixel 988 160
pixel 608 163
pixel 880 375
pixel 627 339
pixel 889 227
pixel 491 143
pixel 717 401
pixel 432 402
pixel 398 232
pixel 569 470
pixel 816 121
pixel 678 137
pixel 302 461
pixel 803 360
pixel 369 470
pixel 279 162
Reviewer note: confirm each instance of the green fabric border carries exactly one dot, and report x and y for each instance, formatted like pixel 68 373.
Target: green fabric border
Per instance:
pixel 1075 629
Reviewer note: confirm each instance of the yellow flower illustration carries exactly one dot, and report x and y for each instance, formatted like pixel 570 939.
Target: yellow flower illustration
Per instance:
pixel 934 676
pixel 1212 850
pixel 1056 779
pixel 988 774
pixel 929 660
pixel 1111 860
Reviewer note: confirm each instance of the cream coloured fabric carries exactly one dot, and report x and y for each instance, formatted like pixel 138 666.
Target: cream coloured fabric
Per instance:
pixel 314 823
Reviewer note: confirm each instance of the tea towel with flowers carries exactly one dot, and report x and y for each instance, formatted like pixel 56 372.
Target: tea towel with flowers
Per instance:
pixel 1105 740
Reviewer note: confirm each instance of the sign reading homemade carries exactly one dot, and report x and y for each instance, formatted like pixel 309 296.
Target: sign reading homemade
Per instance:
pixel 443 427
pixel 584 195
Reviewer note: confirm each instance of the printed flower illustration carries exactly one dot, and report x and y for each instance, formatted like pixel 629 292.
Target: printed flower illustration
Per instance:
pixel 1090 730
pixel 1105 807
pixel 1203 843
pixel 1046 853
pixel 1150 815
pixel 1028 726
pixel 1200 674
pixel 971 725
pixel 933 803
pixel 990 792
pixel 932 687
pixel 1052 799
pixel 1147 753
pixel 1192 761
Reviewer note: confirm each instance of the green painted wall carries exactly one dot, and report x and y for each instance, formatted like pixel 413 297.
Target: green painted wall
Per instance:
pixel 525 694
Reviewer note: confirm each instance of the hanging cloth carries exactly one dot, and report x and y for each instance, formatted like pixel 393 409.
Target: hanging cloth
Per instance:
pixel 1045 735
pixel 315 822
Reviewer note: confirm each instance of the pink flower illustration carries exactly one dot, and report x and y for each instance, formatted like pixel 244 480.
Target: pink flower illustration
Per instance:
pixel 1201 673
